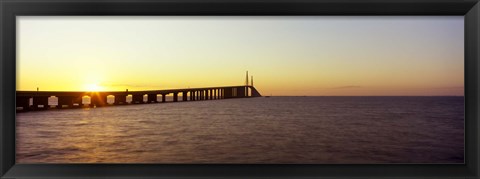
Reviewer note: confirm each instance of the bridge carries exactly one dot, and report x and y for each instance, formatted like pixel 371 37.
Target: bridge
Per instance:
pixel 39 100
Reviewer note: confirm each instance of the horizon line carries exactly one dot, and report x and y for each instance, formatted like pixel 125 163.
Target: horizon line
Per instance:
pixel 365 95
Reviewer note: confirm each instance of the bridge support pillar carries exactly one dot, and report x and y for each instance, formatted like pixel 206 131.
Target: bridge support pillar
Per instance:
pixel 164 98
pixel 240 92
pixel 120 99
pixel 77 102
pixel 40 102
pixel 175 96
pixel 98 100
pixel 227 92
pixel 23 102
pixel 206 94
pixel 215 93
pixel 192 97
pixel 137 99
pixel 65 101
pixel 152 98
pixel 184 96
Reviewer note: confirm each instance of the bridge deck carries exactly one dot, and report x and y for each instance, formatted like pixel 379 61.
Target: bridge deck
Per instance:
pixel 39 100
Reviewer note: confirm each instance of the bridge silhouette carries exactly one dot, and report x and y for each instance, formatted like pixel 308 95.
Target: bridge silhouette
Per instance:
pixel 39 100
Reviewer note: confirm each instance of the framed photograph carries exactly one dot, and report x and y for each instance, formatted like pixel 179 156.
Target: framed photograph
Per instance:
pixel 209 89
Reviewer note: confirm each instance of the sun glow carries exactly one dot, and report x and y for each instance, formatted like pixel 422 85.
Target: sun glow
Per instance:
pixel 291 56
pixel 93 87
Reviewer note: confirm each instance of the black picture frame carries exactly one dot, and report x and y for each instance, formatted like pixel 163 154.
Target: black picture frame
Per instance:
pixel 9 9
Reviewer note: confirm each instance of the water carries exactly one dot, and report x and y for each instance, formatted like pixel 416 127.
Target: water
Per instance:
pixel 252 130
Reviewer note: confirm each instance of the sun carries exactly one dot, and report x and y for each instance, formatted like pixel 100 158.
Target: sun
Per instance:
pixel 93 87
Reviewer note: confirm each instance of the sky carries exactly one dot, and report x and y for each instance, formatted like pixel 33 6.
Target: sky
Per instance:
pixel 286 55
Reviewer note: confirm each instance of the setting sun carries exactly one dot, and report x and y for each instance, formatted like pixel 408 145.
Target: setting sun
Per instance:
pixel 93 87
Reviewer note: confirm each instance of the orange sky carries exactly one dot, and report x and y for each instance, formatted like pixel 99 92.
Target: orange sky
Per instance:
pixel 314 56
